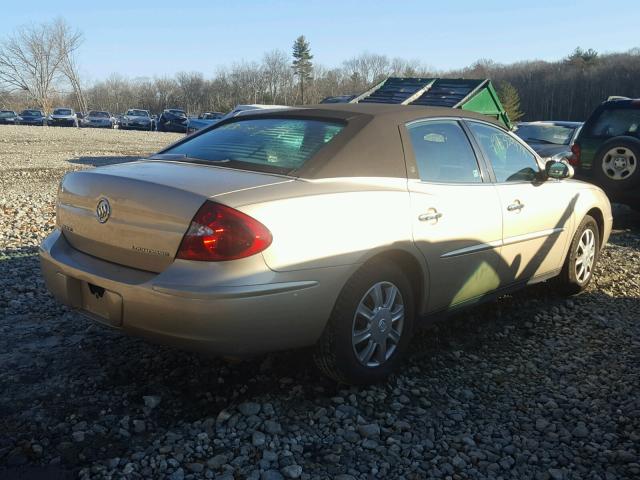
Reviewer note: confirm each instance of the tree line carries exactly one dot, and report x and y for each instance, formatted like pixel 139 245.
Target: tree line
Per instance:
pixel 38 68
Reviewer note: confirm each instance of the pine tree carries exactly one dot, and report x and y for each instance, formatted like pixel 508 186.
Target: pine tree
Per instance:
pixel 510 101
pixel 302 66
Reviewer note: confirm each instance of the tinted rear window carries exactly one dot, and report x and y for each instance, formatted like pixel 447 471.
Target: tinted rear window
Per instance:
pixel 614 122
pixel 270 144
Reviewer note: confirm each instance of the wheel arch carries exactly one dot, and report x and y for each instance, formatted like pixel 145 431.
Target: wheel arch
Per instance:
pixel 414 267
pixel 598 216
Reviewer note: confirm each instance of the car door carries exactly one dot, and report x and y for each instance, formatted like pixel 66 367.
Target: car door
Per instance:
pixel 537 213
pixel 455 213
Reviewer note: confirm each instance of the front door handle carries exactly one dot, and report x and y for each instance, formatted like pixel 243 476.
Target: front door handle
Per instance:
pixel 515 206
pixel 431 216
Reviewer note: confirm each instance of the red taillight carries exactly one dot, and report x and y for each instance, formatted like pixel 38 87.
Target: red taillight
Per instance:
pixel 575 158
pixel 218 232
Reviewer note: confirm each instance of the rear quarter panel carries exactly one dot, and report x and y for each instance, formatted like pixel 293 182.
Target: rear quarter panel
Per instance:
pixel 327 223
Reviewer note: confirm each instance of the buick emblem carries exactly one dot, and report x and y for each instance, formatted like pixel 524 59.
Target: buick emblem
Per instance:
pixel 103 210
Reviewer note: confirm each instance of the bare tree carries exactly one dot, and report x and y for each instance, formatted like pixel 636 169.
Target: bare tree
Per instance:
pixel 68 41
pixel 30 61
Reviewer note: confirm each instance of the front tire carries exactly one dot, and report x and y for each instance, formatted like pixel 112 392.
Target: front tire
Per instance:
pixel 370 326
pixel 582 258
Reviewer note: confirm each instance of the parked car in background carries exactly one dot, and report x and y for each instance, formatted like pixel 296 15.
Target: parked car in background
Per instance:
pixel 173 120
pixel 63 117
pixel 32 117
pixel 550 139
pixel 211 115
pixel 7 117
pixel 338 99
pixel 98 119
pixel 137 119
pixel 607 150
pixel 332 226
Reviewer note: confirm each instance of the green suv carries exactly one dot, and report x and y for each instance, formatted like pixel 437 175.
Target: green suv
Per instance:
pixel 607 150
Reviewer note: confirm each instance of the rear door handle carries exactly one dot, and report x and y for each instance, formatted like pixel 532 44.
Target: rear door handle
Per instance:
pixel 516 206
pixel 428 217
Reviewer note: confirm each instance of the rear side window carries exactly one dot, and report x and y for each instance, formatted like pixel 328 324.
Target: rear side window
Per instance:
pixel 279 145
pixel 510 160
pixel 614 122
pixel 443 152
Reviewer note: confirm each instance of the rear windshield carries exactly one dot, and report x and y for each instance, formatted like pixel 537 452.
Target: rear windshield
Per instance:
pixel 62 111
pixel 617 121
pixel 278 145
pixel 545 133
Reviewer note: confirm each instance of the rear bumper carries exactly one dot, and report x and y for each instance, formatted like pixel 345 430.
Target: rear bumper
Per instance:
pixel 288 312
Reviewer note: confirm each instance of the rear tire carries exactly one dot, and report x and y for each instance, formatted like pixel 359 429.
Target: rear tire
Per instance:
pixel 370 326
pixel 582 258
pixel 617 164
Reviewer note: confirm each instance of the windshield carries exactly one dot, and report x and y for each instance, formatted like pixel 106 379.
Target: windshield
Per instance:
pixel 31 113
pixel 178 112
pixel 62 111
pixel 7 114
pixel 137 113
pixel 98 114
pixel 545 133
pixel 277 145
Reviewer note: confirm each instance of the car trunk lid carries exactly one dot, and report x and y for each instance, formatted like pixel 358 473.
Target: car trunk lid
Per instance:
pixel 136 214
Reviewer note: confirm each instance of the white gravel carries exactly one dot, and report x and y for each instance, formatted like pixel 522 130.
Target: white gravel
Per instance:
pixel 532 386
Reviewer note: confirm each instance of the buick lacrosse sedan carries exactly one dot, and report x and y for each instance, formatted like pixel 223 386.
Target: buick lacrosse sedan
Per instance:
pixel 332 226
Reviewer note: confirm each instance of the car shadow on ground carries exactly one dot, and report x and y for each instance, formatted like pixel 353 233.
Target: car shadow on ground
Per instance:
pixel 60 366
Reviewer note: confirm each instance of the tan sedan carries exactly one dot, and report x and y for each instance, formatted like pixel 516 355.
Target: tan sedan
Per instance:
pixel 334 226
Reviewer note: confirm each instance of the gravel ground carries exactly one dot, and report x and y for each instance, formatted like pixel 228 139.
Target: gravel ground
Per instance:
pixel 531 386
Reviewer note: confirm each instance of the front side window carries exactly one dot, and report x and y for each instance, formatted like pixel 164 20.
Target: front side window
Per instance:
pixel 443 152
pixel 277 145
pixel 614 122
pixel 510 160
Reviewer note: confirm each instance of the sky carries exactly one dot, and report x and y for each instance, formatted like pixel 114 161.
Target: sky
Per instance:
pixel 156 38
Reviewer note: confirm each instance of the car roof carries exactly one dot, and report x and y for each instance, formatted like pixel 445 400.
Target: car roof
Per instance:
pixel 622 101
pixel 560 123
pixel 393 113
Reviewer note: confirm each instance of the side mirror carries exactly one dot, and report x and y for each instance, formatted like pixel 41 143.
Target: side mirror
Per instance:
pixel 558 170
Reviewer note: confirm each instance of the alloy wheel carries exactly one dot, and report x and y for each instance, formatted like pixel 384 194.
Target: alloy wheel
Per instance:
pixel 619 163
pixel 378 324
pixel 585 255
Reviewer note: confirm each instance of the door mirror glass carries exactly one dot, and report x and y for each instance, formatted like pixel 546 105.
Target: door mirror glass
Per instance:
pixel 558 170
